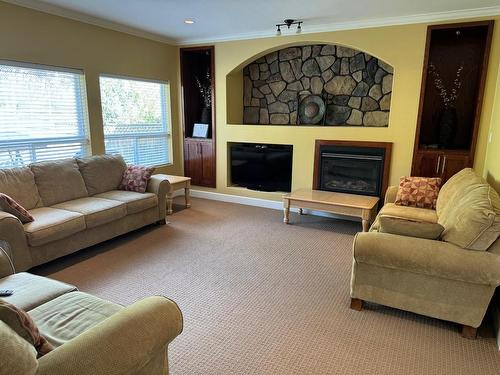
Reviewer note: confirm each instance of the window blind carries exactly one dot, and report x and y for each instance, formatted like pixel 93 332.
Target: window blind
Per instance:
pixel 43 114
pixel 135 120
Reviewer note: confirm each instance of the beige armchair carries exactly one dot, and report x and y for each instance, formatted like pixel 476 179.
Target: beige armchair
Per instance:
pixel 452 277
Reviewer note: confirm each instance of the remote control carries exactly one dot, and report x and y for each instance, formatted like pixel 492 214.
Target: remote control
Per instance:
pixel 6 292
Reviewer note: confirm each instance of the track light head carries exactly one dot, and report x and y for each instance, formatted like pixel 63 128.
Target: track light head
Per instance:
pixel 288 23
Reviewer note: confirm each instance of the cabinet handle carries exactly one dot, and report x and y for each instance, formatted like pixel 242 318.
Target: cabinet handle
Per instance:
pixel 444 165
pixel 438 163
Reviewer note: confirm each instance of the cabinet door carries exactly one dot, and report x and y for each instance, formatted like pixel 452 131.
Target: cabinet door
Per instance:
pixel 207 164
pixel 427 164
pixel 453 163
pixel 192 162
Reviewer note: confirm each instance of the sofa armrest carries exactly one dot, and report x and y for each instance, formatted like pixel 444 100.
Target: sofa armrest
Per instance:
pixel 390 194
pixel 160 186
pixel 429 257
pixel 12 232
pixel 6 265
pixel 122 344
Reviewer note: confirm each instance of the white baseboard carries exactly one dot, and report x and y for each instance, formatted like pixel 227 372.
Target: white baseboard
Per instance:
pixel 258 202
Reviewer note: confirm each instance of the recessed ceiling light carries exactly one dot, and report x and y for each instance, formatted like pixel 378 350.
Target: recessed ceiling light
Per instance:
pixel 189 21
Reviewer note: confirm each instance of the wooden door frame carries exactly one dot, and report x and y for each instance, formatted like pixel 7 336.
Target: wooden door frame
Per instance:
pixel 482 83
pixel 213 114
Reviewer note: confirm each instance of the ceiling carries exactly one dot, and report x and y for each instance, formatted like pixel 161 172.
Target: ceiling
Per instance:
pixel 218 20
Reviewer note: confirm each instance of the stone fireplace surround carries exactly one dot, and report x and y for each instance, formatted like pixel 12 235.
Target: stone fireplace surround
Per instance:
pixel 354 86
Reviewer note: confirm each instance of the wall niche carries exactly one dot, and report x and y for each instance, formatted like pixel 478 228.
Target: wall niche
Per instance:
pixel 325 85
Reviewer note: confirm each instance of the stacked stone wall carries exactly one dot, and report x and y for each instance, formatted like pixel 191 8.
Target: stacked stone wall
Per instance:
pixel 355 86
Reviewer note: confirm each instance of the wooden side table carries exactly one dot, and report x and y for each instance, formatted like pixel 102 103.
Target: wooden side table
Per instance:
pixel 177 183
pixel 361 206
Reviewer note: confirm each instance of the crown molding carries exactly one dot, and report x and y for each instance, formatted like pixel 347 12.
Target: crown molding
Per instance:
pixel 85 18
pixel 306 29
pixel 361 24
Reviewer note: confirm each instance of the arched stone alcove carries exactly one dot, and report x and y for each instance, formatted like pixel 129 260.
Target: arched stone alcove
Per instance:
pixel 317 84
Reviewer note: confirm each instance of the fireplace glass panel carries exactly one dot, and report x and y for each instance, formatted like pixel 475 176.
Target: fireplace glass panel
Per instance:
pixel 351 173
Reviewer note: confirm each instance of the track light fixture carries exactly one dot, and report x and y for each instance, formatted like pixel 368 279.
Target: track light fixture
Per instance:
pixel 289 22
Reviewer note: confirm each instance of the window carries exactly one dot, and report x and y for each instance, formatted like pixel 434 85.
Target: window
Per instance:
pixel 135 117
pixel 43 114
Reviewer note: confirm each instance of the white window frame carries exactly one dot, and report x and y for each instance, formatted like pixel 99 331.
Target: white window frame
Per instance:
pixel 166 116
pixel 83 126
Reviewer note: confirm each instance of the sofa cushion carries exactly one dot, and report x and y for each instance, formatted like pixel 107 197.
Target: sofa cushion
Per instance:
pixel 97 211
pixel 409 228
pixel 136 202
pixel 31 290
pixel 19 183
pixel 17 356
pixel 52 224
pixel 71 314
pixel 22 323
pixel 102 173
pixel 59 181
pixel 452 189
pixel 410 213
pixel 473 221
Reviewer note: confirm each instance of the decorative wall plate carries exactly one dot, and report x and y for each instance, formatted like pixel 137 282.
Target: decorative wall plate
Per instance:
pixel 311 109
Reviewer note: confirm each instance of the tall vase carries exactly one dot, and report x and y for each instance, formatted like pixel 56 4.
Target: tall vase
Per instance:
pixel 206 115
pixel 447 127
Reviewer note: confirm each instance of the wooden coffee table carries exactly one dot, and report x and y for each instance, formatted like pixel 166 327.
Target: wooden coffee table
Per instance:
pixel 176 183
pixel 362 206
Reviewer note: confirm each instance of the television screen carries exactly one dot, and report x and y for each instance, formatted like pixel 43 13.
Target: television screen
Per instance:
pixel 264 167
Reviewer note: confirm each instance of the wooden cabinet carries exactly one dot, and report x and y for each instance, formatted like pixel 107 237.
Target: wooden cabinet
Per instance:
pixel 198 161
pixel 453 78
pixel 440 163
pixel 197 66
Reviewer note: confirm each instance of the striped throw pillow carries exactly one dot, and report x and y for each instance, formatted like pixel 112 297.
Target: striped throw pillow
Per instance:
pixel 9 205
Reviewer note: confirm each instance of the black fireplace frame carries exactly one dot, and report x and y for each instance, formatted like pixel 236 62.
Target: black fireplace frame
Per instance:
pixel 372 148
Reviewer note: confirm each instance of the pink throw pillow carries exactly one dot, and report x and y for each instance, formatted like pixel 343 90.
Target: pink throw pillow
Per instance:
pixel 421 192
pixel 135 178
pixel 22 323
pixel 9 205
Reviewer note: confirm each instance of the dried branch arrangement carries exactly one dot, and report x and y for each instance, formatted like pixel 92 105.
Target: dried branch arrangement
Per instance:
pixel 449 98
pixel 205 88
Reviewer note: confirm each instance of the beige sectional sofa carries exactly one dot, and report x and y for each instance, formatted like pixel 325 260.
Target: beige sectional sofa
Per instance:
pixel 452 277
pixel 90 335
pixel 76 203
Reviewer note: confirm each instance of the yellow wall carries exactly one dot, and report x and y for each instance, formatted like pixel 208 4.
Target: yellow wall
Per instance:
pixel 32 36
pixel 400 46
pixel 492 164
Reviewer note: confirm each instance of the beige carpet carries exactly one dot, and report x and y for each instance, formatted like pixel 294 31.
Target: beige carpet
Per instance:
pixel 261 297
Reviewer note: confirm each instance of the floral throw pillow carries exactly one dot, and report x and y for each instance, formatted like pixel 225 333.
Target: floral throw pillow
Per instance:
pixel 9 205
pixel 419 192
pixel 135 178
pixel 21 323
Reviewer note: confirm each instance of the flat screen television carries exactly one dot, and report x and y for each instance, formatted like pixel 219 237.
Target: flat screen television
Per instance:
pixel 264 167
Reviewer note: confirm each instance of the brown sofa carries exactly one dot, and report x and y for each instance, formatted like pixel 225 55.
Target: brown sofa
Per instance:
pixel 76 204
pixel 452 277
pixel 90 335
